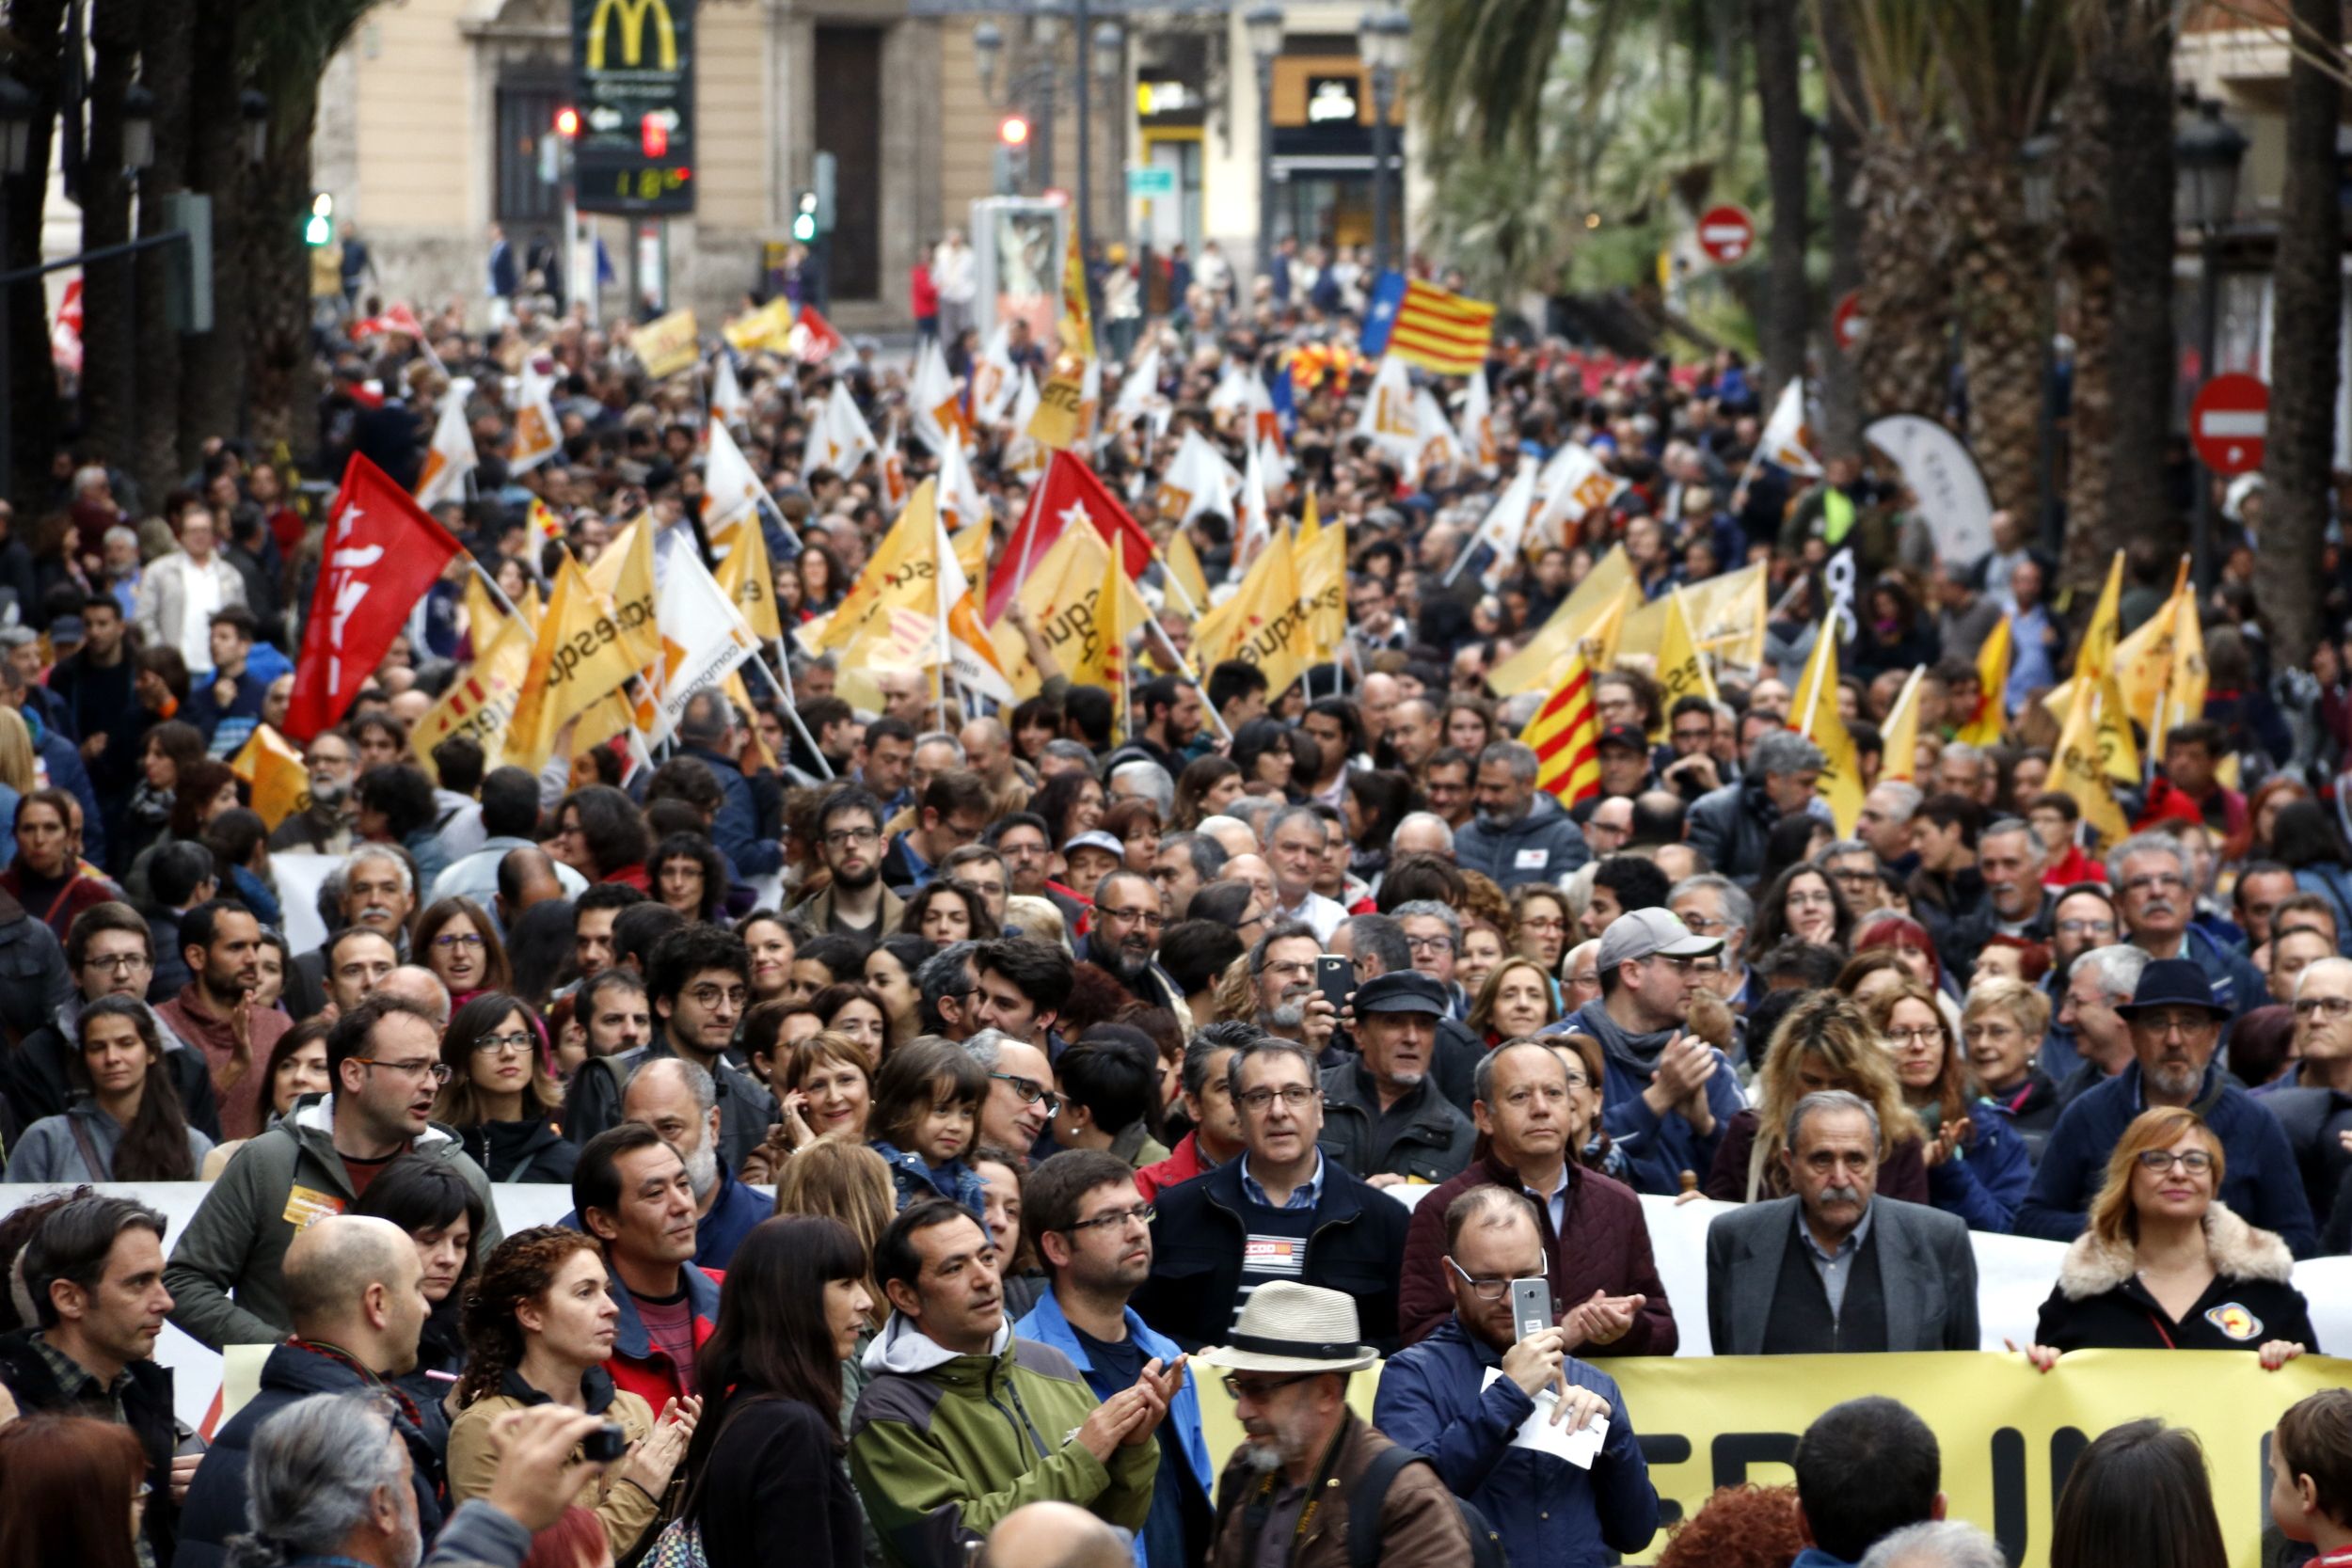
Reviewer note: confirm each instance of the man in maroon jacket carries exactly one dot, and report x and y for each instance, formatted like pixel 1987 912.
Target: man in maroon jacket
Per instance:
pixel 1605 1290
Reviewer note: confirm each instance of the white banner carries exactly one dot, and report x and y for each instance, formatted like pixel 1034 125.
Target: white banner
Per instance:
pixel 1953 501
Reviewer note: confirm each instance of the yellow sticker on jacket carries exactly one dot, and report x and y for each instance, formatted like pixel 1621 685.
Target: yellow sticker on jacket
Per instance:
pixel 306 1207
pixel 2234 1321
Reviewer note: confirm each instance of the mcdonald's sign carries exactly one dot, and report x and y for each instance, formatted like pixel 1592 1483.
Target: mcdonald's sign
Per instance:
pixel 628 17
pixel 633 81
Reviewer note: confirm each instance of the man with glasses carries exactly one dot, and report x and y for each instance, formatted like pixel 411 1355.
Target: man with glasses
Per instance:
pixel 698 984
pixel 953 812
pixel 215 1013
pixel 1290 1003
pixel 1713 906
pixel 2150 876
pixel 2313 1098
pixel 1853 865
pixel 1667 1095
pixel 1446 780
pixel 1441 1397
pixel 1021 1098
pixel 383 1064
pixel 1606 1293
pixel 854 901
pixel 1128 919
pixel 1281 1212
pixel 2175 1024
pixel 324 827
pixel 1433 933
pixel 109 954
pixel 1091 1229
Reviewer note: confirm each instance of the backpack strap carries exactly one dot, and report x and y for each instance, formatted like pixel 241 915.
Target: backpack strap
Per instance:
pixel 1369 1496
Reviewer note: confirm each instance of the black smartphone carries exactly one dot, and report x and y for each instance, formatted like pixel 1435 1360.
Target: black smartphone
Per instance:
pixel 606 1445
pixel 1335 977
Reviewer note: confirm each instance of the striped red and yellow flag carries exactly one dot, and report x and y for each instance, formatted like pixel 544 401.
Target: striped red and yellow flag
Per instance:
pixel 1565 735
pixel 1436 328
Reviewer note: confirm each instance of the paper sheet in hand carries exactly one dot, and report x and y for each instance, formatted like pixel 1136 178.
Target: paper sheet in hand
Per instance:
pixel 1578 1447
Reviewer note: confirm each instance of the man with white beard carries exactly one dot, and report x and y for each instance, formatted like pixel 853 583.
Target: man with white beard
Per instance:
pixel 679 1100
pixel 1290 1005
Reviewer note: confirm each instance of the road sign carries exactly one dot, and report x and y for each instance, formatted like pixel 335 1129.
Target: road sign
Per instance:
pixel 2229 422
pixel 1152 182
pixel 1726 234
pixel 1847 323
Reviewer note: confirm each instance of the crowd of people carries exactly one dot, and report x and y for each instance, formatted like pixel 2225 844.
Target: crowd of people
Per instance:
pixel 1113 1045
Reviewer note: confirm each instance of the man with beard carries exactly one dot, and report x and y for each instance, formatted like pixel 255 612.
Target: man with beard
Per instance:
pixel 679 1100
pixel 1834 1268
pixel 97 687
pixel 698 982
pixel 1169 716
pixel 324 825
pixel 1384 1117
pixel 1294 1349
pixel 1092 1231
pixel 1128 918
pixel 215 1013
pixel 853 901
pixel 1021 1098
pixel 384 1061
pixel 379 894
pixel 1291 1007
pixel 2150 876
pixel 2175 1021
pixel 611 1005
pixel 1521 834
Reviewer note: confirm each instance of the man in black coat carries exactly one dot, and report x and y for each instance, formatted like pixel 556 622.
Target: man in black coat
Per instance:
pixel 1280 1212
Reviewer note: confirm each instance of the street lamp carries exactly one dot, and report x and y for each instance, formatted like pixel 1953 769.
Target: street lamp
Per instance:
pixel 988 47
pixel 138 129
pixel 2205 156
pixel 1383 39
pixel 1262 26
pixel 16 127
pixel 253 108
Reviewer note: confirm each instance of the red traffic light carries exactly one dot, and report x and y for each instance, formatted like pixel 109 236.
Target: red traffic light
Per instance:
pixel 567 122
pixel 653 135
pixel 1012 130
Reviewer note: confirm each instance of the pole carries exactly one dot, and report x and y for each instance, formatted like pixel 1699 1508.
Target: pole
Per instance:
pixel 1383 89
pixel 1085 136
pixel 792 716
pixel 1045 118
pixel 1266 166
pixel 2208 332
pixel 1185 665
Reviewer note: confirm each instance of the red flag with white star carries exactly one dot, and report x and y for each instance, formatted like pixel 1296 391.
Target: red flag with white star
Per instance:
pixel 1069 493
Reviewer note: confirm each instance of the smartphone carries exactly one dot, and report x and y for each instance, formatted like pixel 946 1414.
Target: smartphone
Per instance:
pixel 1336 978
pixel 1531 1307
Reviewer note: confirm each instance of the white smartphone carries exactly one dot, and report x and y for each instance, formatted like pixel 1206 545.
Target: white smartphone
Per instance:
pixel 1531 1307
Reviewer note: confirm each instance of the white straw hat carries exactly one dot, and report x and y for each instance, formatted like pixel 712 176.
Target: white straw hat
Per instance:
pixel 1288 1328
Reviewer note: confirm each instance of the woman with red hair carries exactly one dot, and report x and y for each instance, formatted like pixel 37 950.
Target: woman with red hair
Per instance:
pixel 72 1490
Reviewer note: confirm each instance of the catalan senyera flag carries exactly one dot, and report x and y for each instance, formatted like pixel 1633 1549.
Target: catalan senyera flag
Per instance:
pixel 1898 754
pixel 1433 328
pixel 1815 717
pixel 623 572
pixel 748 579
pixel 578 657
pixel 1322 556
pixel 1565 735
pixel 274 769
pixel 1992 661
pixel 1262 622
pixel 1532 665
pixel 546 527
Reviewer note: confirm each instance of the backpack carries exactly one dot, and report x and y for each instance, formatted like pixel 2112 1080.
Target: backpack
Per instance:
pixel 1371 1494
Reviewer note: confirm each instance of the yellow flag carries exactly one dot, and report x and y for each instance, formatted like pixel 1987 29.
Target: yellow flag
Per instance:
pixel 1816 716
pixel 1322 556
pixel 971 546
pixel 902 574
pixel 1078 316
pixel 481 700
pixel 1898 750
pixel 747 578
pixel 1062 594
pixel 1107 657
pixel 1532 666
pixel 1725 615
pixel 482 614
pixel 2143 660
pixel 1060 416
pixel 1992 661
pixel 2096 656
pixel 767 327
pixel 2075 768
pixel 1602 639
pixel 269 763
pixel 2117 754
pixel 623 572
pixel 1183 568
pixel 2184 692
pixel 1262 622
pixel 579 655
pixel 666 345
pixel 1681 673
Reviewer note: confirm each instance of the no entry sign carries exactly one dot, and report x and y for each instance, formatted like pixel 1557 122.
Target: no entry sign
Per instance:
pixel 1726 234
pixel 2228 422
pixel 1847 323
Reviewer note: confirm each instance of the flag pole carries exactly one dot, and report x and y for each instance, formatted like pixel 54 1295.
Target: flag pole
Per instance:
pixel 792 716
pixel 492 584
pixel 1184 664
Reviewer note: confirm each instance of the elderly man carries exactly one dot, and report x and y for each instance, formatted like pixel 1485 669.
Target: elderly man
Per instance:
pixel 1290 1005
pixel 378 892
pixel 2175 1024
pixel 2098 1041
pixel 1834 1268
pixel 1885 824
pixel 2150 875
pixel 1021 1098
pixel 697 986
pixel 2010 859
pixel 326 825
pixel 1420 832
pixel 1441 1398
pixel 937 1468
pixel 1384 1117
pixel 1731 826
pixel 1609 827
pixel 1709 905
pixel 1294 1350
pixel 1433 935
pixel 1282 1211
pixel 1667 1095
pixel 1606 1295
pixel 1520 835
pixel 679 1100
pixel 1187 863
pixel 1295 840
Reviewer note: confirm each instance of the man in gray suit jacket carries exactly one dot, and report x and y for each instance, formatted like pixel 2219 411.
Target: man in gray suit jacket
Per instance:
pixel 1837 1267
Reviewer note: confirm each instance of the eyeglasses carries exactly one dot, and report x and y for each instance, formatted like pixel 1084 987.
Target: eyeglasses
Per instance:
pixel 448 940
pixel 520 1042
pixel 1255 1391
pixel 2334 1006
pixel 1918 1037
pixel 844 838
pixel 711 997
pixel 1430 945
pixel 2196 1161
pixel 1296 1096
pixel 1030 1092
pixel 118 963
pixel 424 1068
pixel 1702 924
pixel 1150 919
pixel 2086 928
pixel 1142 1214
pixel 1494 1289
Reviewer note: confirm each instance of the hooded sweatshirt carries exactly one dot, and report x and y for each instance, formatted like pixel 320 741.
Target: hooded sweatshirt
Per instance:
pixel 1542 846
pixel 1658 1150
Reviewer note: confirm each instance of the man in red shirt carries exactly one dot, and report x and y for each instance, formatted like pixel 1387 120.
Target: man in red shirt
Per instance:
pixel 632 1193
pixel 215 1012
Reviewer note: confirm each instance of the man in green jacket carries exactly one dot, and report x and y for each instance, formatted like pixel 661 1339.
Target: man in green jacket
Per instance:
pixel 961 1423
pixel 383 1059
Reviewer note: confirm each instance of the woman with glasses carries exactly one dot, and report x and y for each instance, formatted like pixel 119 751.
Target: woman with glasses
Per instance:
pixel 2165 1265
pixel 457 941
pixel 499 1099
pixel 1539 924
pixel 2001 1026
pixel 1977 1164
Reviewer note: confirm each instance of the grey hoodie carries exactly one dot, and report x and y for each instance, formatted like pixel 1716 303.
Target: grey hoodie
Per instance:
pixel 1543 846
pixel 49 1151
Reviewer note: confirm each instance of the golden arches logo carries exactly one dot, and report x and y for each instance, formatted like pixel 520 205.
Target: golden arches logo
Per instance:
pixel 631 14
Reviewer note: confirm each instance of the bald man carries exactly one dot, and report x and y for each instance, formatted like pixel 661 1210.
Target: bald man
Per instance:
pixel 531 874
pixel 1232 833
pixel 417 984
pixel 353 1286
pixel 1053 1535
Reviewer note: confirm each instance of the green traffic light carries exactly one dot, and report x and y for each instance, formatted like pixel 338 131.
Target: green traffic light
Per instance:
pixel 318 229
pixel 804 228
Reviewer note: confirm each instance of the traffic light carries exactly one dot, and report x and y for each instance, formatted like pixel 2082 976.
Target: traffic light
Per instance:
pixel 319 228
pixel 567 122
pixel 804 217
pixel 1012 155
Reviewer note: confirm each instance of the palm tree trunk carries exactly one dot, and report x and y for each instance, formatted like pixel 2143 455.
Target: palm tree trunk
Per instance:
pixel 165 57
pixel 2087 272
pixel 213 364
pixel 2305 273
pixel 1843 415
pixel 1778 83
pixel 109 377
pixel 35 27
pixel 2000 286
pixel 1904 362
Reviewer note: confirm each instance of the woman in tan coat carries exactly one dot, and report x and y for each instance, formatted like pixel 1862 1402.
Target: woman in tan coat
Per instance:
pixel 539 1330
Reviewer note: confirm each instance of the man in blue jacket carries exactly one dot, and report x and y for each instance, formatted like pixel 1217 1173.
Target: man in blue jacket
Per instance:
pixel 2176 1024
pixel 1092 1231
pixel 2155 901
pixel 706 730
pixel 1462 1395
pixel 1520 835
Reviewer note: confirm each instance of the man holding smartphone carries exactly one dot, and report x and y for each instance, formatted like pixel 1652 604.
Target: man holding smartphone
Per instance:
pixel 1463 1395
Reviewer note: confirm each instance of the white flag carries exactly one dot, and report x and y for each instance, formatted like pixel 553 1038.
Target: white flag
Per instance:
pixel 451 457
pixel 932 399
pixel 1783 439
pixel 845 439
pixel 704 636
pixel 1434 446
pixel 731 490
pixel 995 382
pixel 1505 527
pixel 1196 479
pixel 1478 435
pixel 1026 454
pixel 1257 526
pixel 973 666
pixel 1388 412
pixel 537 435
pixel 729 406
pixel 1139 395
pixel 1572 483
pixel 961 503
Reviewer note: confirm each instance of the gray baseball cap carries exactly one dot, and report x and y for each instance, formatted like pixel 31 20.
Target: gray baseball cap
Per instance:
pixel 1650 933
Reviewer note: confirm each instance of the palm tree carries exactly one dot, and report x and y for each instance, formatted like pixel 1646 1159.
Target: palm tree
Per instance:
pixel 1779 70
